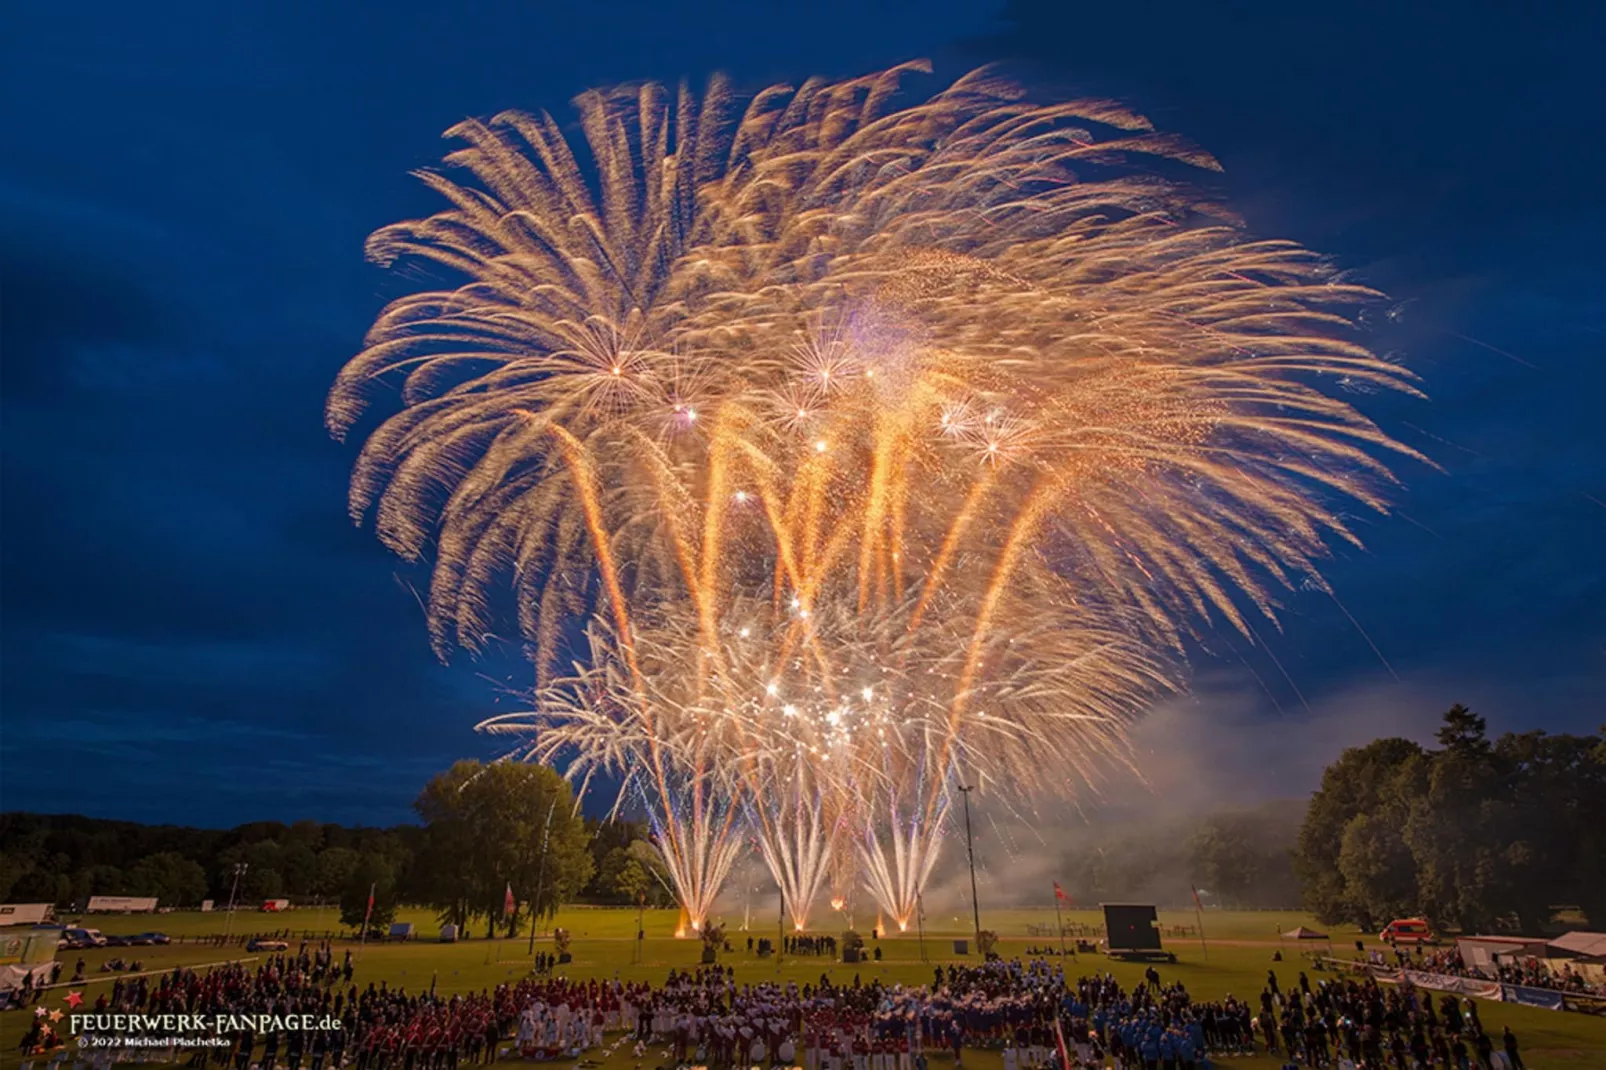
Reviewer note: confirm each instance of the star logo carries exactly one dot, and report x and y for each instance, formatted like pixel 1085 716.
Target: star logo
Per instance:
pixel 74 999
pixel 40 1012
pixel 55 1016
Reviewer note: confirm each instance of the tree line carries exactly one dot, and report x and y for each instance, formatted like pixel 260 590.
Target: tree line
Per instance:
pixel 485 829
pixel 1475 834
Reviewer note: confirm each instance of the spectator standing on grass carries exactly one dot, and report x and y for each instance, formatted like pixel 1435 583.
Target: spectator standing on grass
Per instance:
pixel 1512 1057
pixel 1485 1048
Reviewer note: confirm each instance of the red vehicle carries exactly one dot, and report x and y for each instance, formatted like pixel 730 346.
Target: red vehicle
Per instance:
pixel 1408 931
pixel 275 906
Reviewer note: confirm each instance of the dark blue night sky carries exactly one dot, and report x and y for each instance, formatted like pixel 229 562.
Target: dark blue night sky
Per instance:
pixel 192 629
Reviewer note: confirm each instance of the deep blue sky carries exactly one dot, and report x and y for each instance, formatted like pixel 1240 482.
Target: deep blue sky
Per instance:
pixel 192 629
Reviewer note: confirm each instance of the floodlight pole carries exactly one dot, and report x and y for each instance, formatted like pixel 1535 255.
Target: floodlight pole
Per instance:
pixel 970 851
pixel 228 922
pixel 920 925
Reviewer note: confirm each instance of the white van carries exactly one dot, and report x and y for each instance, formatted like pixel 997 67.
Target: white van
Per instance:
pixel 74 937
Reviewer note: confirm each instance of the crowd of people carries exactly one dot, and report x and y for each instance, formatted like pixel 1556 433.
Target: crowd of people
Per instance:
pixel 1516 970
pixel 1028 1011
pixel 1366 1024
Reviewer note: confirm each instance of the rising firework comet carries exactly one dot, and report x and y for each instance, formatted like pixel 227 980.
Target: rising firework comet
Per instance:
pixel 962 376
pixel 843 742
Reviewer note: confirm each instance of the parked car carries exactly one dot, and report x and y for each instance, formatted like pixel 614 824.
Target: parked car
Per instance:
pixel 118 940
pixel 154 938
pixel 259 944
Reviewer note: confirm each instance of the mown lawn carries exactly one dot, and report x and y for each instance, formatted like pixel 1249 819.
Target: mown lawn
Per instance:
pixel 1235 961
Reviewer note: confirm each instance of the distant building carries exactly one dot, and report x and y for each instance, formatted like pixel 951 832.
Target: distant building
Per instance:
pixel 26 913
pixel 121 904
pixel 1482 953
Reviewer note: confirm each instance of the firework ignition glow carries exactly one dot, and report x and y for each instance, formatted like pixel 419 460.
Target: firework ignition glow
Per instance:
pixel 873 444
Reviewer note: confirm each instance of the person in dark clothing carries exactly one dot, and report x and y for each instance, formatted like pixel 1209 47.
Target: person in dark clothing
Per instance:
pixel 1485 1048
pixel 492 1036
pixel 1512 1057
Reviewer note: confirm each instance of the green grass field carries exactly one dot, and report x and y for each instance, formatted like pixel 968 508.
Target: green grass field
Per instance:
pixel 1239 952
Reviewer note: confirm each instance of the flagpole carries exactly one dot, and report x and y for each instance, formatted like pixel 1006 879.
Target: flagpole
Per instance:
pixel 920 925
pixel 1059 921
pixel 362 941
pixel 1198 913
pixel 540 881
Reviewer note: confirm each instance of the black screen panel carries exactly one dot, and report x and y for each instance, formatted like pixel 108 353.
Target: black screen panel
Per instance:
pixel 1131 927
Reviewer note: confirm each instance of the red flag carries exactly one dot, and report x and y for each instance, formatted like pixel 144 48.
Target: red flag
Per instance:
pixel 370 911
pixel 1059 1036
pixel 1059 893
pixel 508 904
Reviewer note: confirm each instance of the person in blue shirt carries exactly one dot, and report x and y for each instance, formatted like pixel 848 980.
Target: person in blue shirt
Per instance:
pixel 1150 1050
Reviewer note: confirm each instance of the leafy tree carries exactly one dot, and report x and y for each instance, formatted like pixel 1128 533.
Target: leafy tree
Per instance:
pixel 1475 834
pixel 374 875
pixel 604 884
pixel 97 880
pixel 333 871
pixel 1243 857
pixel 1463 733
pixel 609 842
pixel 304 834
pixel 43 885
pixel 1458 824
pixel 46 857
pixel 173 879
pixel 12 868
pixel 1356 784
pixel 632 882
pixel 491 827
pixel 299 864
pixel 660 892
pixel 1379 873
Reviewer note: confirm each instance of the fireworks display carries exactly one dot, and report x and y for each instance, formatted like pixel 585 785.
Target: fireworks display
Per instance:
pixel 875 447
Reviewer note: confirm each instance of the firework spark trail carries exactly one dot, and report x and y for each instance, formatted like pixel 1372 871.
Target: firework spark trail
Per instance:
pixel 882 440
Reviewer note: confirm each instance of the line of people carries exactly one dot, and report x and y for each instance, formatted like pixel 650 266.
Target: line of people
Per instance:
pixel 1024 1009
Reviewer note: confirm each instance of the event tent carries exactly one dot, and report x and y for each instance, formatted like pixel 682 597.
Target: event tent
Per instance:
pixel 1582 945
pixel 1299 932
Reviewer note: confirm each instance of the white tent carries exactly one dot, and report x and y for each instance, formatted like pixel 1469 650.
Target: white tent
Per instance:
pixel 1299 932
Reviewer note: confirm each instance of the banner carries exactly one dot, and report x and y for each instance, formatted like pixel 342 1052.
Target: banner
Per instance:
pixel 11 976
pixel 1464 986
pixel 1548 998
pixel 125 904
